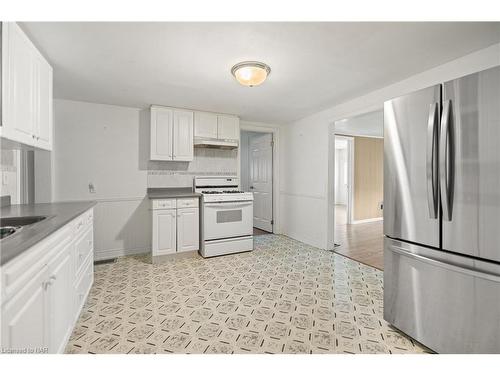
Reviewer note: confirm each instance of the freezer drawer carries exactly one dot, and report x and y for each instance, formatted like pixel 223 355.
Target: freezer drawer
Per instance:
pixel 411 125
pixel 470 165
pixel 447 302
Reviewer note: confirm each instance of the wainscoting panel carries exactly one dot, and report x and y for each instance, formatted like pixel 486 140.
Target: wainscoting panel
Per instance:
pixel 122 226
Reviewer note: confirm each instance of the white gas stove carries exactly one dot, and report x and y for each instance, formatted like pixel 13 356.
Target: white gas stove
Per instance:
pixel 226 215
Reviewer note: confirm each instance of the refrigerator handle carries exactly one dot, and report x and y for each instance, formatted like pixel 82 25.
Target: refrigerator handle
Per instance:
pixel 432 161
pixel 446 161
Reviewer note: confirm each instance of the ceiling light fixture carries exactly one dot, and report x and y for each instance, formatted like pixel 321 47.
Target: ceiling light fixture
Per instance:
pixel 250 73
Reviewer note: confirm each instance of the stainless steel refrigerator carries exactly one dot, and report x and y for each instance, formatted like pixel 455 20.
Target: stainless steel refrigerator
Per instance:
pixel 442 214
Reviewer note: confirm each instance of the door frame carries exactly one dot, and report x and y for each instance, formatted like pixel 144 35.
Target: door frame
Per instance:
pixel 275 130
pixel 350 175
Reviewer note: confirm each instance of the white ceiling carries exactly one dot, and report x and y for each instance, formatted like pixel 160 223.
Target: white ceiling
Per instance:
pixel 314 65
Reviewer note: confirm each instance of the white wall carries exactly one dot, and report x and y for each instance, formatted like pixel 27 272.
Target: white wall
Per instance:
pixel 109 146
pixel 244 160
pixel 307 202
pixel 102 144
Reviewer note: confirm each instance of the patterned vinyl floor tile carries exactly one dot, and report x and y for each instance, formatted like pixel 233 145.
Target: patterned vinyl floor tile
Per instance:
pixel 283 297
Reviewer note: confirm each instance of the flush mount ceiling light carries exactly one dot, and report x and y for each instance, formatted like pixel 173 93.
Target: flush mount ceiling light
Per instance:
pixel 250 73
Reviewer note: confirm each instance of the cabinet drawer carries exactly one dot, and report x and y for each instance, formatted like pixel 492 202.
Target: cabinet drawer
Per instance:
pixel 187 202
pixel 83 247
pixel 82 222
pixel 19 271
pixel 160 204
pixel 83 285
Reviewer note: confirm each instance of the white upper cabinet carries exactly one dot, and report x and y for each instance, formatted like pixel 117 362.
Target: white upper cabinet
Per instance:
pixel 216 126
pixel 171 134
pixel 27 90
pixel 18 122
pixel 183 135
pixel 162 121
pixel 228 127
pixel 43 105
pixel 205 125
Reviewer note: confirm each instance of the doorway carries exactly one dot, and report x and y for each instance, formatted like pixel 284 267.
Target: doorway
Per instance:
pixel 358 188
pixel 343 179
pixel 257 177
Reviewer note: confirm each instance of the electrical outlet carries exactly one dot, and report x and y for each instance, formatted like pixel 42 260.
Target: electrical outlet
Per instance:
pixel 91 188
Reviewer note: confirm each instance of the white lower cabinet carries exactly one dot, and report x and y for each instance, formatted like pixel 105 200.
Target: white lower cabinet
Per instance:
pixel 61 294
pixel 188 229
pixel 25 320
pixel 176 226
pixel 44 288
pixel 164 233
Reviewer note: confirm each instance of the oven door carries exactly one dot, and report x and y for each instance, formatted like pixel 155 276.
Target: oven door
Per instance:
pixel 227 219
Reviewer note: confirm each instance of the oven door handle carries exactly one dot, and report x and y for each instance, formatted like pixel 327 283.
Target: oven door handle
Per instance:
pixel 228 204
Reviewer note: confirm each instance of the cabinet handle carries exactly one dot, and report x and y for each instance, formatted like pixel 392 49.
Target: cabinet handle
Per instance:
pixel 53 277
pixel 46 284
pixel 33 136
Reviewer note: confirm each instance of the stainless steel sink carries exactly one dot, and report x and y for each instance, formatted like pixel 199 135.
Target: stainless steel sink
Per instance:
pixel 11 225
pixel 20 221
pixel 7 231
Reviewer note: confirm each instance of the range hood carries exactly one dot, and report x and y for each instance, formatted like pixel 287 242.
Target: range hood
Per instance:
pixel 225 144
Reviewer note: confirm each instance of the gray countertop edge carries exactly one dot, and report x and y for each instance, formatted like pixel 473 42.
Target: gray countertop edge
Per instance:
pixel 165 193
pixel 59 214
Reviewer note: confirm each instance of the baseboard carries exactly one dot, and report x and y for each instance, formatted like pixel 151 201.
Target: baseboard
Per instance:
pixel 115 253
pixel 367 220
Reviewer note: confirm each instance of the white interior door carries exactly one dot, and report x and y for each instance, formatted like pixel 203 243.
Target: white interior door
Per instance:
pixel 261 180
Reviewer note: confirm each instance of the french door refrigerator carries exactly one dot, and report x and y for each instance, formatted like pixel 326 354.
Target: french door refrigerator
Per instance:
pixel 442 214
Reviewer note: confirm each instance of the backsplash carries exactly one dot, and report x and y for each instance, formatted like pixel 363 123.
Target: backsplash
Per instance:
pixel 8 174
pixel 207 162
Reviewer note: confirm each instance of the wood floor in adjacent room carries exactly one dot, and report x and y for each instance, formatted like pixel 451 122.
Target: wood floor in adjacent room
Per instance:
pixel 361 242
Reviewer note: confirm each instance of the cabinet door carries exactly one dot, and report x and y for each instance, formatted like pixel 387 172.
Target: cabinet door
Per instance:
pixel 228 127
pixel 18 116
pixel 43 109
pixel 164 232
pixel 183 135
pixel 205 125
pixel 161 133
pixel 188 229
pixel 61 298
pixel 25 321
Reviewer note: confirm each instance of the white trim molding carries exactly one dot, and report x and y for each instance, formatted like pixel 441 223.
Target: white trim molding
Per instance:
pixel 119 252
